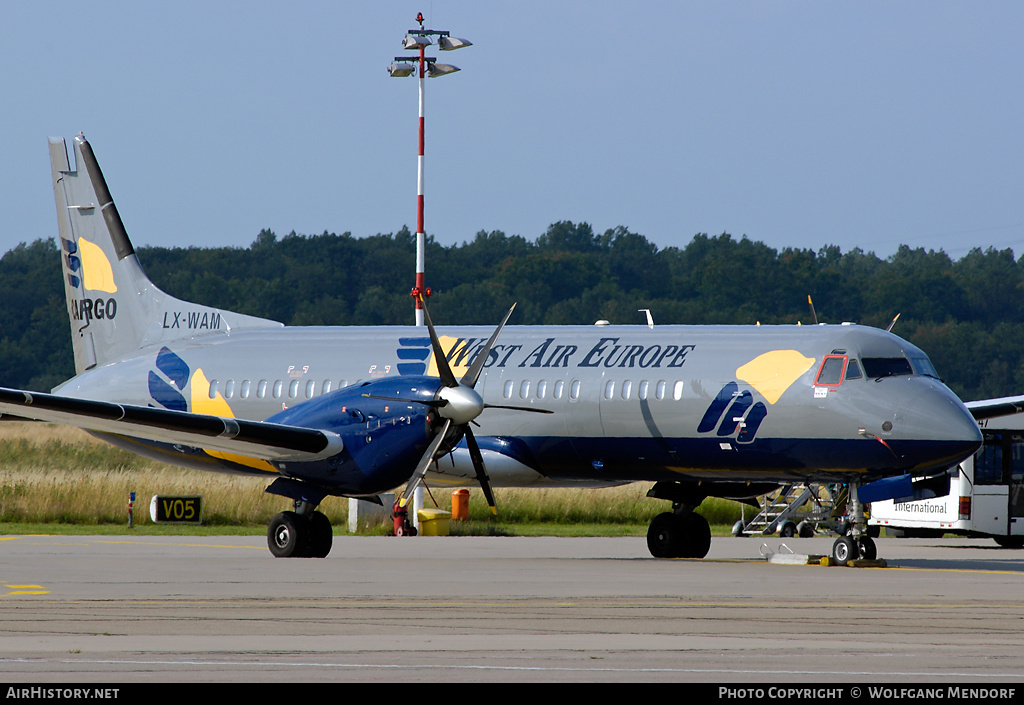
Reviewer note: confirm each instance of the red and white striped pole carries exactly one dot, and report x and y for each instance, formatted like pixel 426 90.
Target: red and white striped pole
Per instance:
pixel 420 291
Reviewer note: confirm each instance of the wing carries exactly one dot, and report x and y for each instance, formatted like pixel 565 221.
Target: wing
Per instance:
pixel 255 439
pixel 991 408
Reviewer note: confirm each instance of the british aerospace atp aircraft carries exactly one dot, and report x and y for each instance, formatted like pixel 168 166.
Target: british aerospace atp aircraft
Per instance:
pixel 723 411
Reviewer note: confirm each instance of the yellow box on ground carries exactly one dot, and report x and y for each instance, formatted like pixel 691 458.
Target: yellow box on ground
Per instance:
pixel 433 522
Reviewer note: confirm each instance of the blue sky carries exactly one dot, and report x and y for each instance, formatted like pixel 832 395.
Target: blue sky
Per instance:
pixel 799 124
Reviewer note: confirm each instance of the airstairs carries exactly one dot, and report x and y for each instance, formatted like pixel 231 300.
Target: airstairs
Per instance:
pixel 796 508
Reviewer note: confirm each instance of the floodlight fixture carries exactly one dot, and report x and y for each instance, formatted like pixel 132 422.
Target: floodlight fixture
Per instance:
pixel 446 43
pixel 415 41
pixel 400 69
pixel 435 69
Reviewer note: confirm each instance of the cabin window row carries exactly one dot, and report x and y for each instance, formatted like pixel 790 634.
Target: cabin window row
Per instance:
pixel 278 389
pixel 626 389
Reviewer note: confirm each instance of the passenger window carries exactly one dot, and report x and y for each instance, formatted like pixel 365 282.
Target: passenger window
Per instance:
pixel 609 389
pixel 310 389
pixel 627 387
pixel 243 392
pixel 574 390
pixel 508 389
pixel 229 389
pixel 261 389
pixel 342 383
pixel 293 389
pixel 659 391
pixel 542 389
pixel 524 389
pixel 677 390
pixel 559 388
pixel 278 386
pixel 213 388
pixel 831 372
pixel 326 387
pixel 642 391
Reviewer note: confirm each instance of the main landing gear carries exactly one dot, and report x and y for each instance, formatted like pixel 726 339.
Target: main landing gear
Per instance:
pixel 681 533
pixel 303 533
pixel 857 544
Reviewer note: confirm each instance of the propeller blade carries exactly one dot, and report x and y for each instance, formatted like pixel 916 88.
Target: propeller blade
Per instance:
pixel 481 472
pixel 444 370
pixel 473 373
pixel 518 408
pixel 436 403
pixel 424 464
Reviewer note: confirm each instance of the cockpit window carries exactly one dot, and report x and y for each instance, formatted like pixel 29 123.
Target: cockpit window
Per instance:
pixel 923 366
pixel 853 370
pixel 831 372
pixel 886 366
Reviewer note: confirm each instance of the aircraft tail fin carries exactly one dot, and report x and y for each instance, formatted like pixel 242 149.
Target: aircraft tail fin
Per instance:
pixel 113 306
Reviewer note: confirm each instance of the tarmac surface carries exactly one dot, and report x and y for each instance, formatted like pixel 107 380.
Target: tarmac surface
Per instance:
pixel 89 609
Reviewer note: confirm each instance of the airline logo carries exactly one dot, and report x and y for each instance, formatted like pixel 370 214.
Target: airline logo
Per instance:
pixel 415 354
pixel 733 413
pixel 167 387
pixel 88 270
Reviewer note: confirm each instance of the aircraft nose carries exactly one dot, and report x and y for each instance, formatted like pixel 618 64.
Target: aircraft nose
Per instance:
pixel 937 428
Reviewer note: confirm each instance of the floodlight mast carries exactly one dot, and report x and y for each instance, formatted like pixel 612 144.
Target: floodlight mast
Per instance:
pixel 420 39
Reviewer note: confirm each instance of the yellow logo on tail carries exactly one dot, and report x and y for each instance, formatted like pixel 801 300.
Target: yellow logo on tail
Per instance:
pixel 99 275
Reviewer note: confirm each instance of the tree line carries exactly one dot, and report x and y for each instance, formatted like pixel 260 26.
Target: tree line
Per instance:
pixel 967 314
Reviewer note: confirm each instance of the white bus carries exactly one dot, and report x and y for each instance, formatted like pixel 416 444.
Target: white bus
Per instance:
pixel 986 494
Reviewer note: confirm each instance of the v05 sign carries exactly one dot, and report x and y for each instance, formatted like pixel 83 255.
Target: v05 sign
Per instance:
pixel 185 509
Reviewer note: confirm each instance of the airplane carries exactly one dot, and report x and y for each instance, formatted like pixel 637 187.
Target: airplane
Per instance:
pixel 700 411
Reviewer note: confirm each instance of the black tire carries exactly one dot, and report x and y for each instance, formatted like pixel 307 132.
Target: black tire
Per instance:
pixel 1009 541
pixel 664 536
pixel 805 530
pixel 788 530
pixel 321 535
pixel 286 535
pixel 844 550
pixel 866 546
pixel 697 541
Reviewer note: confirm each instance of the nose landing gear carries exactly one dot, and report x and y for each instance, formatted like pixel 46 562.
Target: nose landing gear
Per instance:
pixel 856 545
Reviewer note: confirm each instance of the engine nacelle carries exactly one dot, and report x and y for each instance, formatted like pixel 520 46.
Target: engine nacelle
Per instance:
pixel 385 425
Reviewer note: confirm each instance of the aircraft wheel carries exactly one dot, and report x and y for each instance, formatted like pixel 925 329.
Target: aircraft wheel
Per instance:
pixel 321 535
pixel 285 535
pixel 866 546
pixel 697 540
pixel 664 536
pixel 844 550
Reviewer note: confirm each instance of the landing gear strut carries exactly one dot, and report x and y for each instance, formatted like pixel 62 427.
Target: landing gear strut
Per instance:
pixel 303 533
pixel 857 544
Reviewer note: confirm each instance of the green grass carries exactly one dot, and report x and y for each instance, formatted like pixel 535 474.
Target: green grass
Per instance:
pixel 55 480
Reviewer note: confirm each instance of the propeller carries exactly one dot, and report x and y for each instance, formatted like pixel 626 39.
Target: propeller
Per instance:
pixel 458 403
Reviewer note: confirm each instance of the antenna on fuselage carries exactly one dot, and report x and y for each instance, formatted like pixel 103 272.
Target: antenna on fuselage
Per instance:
pixel 814 316
pixel 889 329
